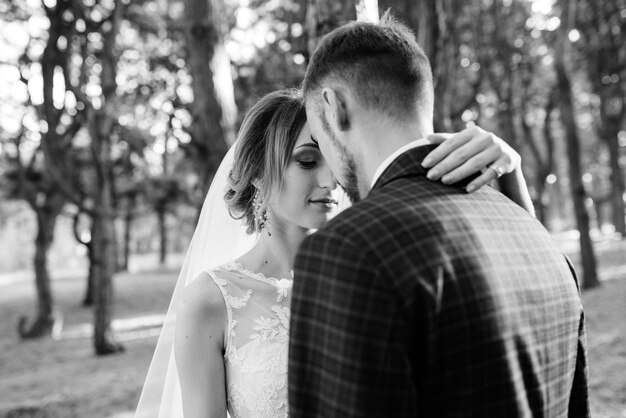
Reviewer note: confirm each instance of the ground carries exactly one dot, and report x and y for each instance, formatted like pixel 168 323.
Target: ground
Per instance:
pixel 62 378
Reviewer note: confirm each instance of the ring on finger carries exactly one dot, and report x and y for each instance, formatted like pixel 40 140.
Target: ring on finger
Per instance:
pixel 497 169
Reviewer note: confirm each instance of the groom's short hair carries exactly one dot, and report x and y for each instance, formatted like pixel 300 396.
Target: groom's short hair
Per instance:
pixel 380 62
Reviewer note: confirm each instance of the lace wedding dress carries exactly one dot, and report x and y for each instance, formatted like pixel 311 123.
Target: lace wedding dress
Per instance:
pixel 255 354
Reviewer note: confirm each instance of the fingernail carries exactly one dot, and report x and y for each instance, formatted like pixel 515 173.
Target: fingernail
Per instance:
pixel 446 180
pixel 427 162
pixel 471 188
pixel 432 174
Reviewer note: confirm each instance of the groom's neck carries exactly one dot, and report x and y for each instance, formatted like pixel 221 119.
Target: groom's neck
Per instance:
pixel 381 139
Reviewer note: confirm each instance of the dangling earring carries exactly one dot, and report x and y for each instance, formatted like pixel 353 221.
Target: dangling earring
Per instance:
pixel 260 213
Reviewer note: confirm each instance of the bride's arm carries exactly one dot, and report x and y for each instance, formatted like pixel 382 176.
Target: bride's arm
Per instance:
pixel 472 150
pixel 199 342
pixel 513 185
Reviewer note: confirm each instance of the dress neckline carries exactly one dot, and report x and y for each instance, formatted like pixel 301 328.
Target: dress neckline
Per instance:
pixel 234 265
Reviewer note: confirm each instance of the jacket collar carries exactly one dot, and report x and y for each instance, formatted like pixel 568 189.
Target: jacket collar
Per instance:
pixel 409 164
pixel 406 164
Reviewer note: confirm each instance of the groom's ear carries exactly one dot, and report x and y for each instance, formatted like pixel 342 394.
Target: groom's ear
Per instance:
pixel 335 102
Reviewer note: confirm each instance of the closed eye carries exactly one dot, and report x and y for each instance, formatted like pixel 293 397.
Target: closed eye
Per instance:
pixel 307 156
pixel 307 165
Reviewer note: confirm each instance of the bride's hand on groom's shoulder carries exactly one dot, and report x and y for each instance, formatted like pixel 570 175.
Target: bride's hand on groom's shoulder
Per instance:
pixel 460 155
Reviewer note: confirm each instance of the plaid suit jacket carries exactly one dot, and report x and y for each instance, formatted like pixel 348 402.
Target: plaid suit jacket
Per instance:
pixel 423 300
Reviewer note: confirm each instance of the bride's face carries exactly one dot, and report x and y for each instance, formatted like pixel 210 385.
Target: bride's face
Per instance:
pixel 304 198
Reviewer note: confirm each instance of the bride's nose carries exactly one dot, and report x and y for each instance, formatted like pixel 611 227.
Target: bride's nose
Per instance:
pixel 326 179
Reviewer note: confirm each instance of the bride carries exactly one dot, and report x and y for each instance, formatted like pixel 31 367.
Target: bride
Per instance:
pixel 223 346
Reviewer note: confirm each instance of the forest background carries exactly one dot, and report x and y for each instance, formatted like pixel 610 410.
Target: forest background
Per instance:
pixel 114 115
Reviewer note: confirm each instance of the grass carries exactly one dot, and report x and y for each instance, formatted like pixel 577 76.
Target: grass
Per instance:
pixel 605 310
pixel 62 378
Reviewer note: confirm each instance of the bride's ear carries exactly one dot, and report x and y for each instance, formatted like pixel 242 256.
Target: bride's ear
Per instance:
pixel 335 106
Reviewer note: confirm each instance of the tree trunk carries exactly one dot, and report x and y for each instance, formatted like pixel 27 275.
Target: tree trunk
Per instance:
pixel 103 249
pixel 540 204
pixel 128 223
pixel 55 146
pixel 161 211
pixel 46 221
pixel 443 59
pixel 547 165
pixel 429 19
pixel 421 17
pixel 103 260
pixel 103 242
pixel 596 212
pixel 88 295
pixel 506 123
pixel 606 60
pixel 162 235
pixel 566 108
pixel 577 189
pixel 612 128
pixel 90 289
pixel 323 16
pixel 213 110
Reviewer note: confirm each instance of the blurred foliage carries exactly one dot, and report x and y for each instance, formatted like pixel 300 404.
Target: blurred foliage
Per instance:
pixel 493 62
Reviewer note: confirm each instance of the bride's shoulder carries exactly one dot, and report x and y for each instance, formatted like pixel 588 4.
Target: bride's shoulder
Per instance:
pixel 225 271
pixel 204 291
pixel 201 313
pixel 202 299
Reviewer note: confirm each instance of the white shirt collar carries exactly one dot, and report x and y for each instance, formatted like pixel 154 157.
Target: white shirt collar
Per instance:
pixel 381 168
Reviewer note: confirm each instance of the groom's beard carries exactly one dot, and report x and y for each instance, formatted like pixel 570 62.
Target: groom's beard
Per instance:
pixel 351 182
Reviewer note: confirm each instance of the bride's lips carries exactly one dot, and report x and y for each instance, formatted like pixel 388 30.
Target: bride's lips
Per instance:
pixel 326 202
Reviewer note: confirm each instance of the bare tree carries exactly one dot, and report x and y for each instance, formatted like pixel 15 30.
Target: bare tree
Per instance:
pixel 29 182
pixel 605 63
pixel 36 180
pixel 566 109
pixel 441 28
pixel 103 241
pixel 213 110
pixel 544 160
pixel 499 61
pixel 95 198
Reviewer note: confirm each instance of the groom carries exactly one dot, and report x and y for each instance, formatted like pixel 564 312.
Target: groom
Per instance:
pixel 421 299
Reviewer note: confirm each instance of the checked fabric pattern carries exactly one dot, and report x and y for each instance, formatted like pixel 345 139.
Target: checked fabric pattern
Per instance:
pixel 423 300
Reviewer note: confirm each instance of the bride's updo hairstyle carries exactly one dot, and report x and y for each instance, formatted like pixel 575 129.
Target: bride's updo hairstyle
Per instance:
pixel 265 142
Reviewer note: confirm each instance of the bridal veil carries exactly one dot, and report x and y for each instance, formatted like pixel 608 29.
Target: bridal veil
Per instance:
pixel 217 239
